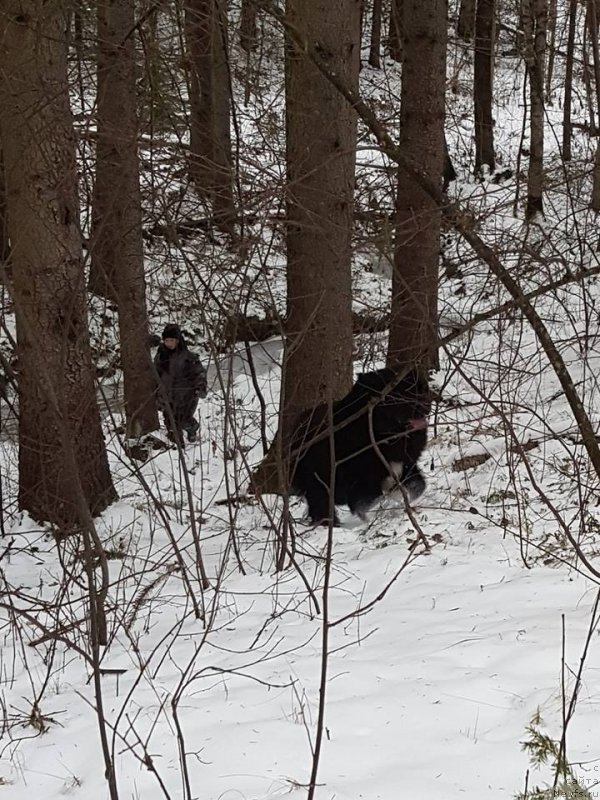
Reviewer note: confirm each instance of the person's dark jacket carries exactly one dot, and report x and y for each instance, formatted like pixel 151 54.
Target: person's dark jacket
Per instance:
pixel 182 378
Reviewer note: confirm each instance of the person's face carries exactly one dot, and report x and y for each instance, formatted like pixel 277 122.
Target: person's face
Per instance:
pixel 170 343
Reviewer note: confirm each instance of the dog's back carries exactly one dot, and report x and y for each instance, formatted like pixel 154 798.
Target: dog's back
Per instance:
pixel 372 427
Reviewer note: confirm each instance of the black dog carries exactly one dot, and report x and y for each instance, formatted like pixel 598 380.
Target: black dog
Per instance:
pixel 379 432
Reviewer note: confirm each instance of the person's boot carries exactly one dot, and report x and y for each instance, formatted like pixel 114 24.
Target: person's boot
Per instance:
pixel 192 431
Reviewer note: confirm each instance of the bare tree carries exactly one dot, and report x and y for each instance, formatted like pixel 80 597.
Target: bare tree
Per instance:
pixel 375 45
pixel 321 152
pixel 117 267
pixel 395 30
pixel 587 75
pixel 483 85
pixel 534 21
pixel 413 325
pixel 465 28
pixel 568 95
pixel 61 449
pixel 210 99
pixel 4 243
pixel 551 49
pixel 592 25
pixel 248 36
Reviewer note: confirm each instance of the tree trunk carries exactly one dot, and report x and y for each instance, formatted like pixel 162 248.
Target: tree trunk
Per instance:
pixel 4 242
pixel 465 28
pixel 534 29
pixel 62 457
pixel 595 202
pixel 375 47
pixel 117 258
pixel 483 85
pixel 321 153
pixel 396 31
pixel 596 13
pixel 551 49
pixel 248 35
pixel 449 173
pixel 592 23
pixel 210 98
pixel 413 328
pixel 568 96
pixel 587 80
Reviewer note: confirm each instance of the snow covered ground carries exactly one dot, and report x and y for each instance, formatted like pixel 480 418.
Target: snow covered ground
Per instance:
pixel 429 691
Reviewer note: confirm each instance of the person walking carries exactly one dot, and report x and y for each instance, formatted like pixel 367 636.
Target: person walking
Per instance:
pixel 181 383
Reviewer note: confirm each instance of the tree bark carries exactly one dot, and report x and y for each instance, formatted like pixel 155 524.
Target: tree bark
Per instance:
pixel 534 20
pixel 483 85
pixel 595 201
pixel 415 277
pixel 465 28
pixel 587 80
pixel 449 173
pixel 568 95
pixel 551 49
pixel 395 31
pixel 4 242
pixel 61 447
pixel 592 23
pixel 248 32
pixel 375 45
pixel 321 153
pixel 117 258
pixel 210 99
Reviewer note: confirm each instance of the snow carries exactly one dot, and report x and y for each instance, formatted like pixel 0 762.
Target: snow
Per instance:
pixel 451 665
pixel 429 690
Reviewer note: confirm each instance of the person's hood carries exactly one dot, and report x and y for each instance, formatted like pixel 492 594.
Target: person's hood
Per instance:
pixel 174 332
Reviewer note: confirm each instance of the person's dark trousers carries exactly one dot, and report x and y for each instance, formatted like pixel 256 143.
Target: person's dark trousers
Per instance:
pixel 173 431
pixel 185 421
